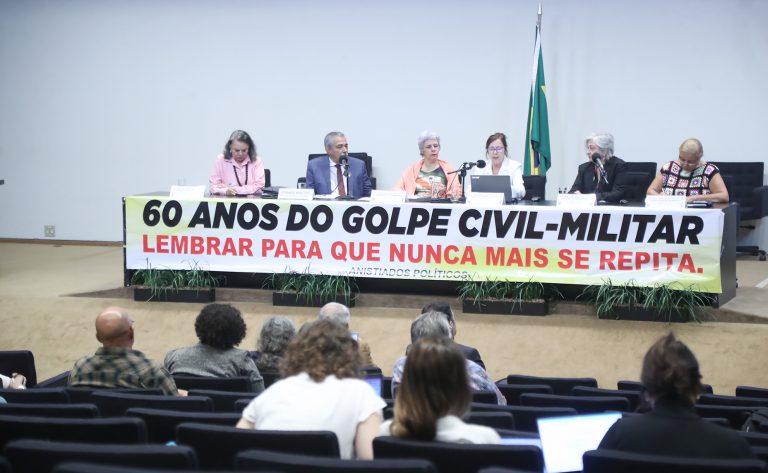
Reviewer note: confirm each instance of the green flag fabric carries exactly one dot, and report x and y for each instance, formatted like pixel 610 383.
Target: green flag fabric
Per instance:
pixel 538 156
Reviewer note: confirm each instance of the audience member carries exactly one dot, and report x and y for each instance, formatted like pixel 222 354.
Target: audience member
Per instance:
pixel 470 353
pixel 336 173
pixel 15 381
pixel 433 396
pixel 340 313
pixel 672 382
pixel 435 324
pixel 238 170
pixel 690 176
pixel 321 391
pixel 116 364
pixel 603 174
pixel 275 334
pixel 219 327
pixel 430 176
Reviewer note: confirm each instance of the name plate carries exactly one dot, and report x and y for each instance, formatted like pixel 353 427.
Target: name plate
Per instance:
pixel 576 201
pixel 187 192
pixel 485 198
pixel 388 197
pixel 665 201
pixel 288 193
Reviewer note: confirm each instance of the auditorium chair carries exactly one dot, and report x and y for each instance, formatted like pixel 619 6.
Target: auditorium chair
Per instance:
pixel 264 460
pixel 637 178
pixel 19 361
pixel 365 157
pixel 736 415
pixel 484 396
pixel 745 187
pixel 625 385
pixel 235 383
pixel 83 411
pixel 634 397
pixel 582 404
pixel 113 404
pixel 512 392
pixel 223 401
pixel 525 416
pixel 612 461
pixel 217 446
pixel 40 395
pixel 561 386
pixel 269 377
pixel 162 423
pixel 535 187
pixel 82 394
pixel 751 391
pixel 267 178
pixel 40 456
pixel 112 430
pixel 496 420
pixel 460 458
pixel 756 439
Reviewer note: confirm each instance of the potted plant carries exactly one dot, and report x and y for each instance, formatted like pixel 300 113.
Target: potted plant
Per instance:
pixel 169 285
pixel 311 290
pixel 660 302
pixel 505 297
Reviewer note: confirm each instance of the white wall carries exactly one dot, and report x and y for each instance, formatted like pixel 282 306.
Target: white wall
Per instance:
pixel 105 98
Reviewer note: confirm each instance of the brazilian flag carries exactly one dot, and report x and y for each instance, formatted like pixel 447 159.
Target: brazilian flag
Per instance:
pixel 538 156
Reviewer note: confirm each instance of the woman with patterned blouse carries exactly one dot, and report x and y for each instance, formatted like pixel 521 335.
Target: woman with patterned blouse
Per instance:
pixel 690 176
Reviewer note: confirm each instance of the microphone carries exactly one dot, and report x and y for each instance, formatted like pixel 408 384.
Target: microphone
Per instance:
pixel 599 163
pixel 480 163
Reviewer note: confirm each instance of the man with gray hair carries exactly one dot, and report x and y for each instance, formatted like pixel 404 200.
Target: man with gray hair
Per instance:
pixel 339 313
pixel 435 324
pixel 336 173
pixel 603 174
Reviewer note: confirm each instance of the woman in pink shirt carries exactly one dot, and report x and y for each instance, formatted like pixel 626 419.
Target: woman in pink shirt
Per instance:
pixel 238 170
pixel 430 176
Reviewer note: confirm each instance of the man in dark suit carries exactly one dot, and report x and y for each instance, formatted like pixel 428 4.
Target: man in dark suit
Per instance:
pixel 590 179
pixel 336 173
pixel 470 353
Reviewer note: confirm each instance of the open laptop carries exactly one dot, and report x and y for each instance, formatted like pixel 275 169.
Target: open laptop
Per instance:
pixel 565 439
pixel 500 184
pixel 374 380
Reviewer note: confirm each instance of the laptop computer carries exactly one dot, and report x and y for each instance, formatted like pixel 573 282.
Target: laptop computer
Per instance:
pixel 374 380
pixel 565 439
pixel 500 184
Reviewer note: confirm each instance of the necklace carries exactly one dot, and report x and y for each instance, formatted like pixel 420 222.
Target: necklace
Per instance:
pixel 246 175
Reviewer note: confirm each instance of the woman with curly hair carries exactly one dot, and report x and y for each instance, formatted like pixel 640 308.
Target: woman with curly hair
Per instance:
pixel 321 390
pixel 275 334
pixel 219 328
pixel 672 381
pixel 433 396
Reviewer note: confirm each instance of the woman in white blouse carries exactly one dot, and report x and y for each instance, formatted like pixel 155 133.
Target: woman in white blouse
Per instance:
pixel 499 164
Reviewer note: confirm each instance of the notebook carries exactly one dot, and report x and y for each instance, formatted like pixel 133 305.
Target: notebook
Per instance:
pixel 565 439
pixel 499 184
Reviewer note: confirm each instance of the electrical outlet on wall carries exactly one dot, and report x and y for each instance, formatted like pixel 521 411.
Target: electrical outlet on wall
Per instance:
pixel 50 231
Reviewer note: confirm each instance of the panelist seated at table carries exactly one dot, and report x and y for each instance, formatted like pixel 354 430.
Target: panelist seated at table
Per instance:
pixel 430 176
pixel 499 164
pixel 336 173
pixel 238 170
pixel 691 176
pixel 603 174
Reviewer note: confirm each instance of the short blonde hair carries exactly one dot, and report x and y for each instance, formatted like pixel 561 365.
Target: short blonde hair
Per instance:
pixel 692 146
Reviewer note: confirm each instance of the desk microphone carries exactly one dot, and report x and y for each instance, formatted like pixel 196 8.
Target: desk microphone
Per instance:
pixel 599 163
pixel 344 161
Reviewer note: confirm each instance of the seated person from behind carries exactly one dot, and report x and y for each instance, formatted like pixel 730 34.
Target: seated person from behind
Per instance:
pixel 326 174
pixel 340 313
pixel 433 396
pixel 116 364
pixel 275 334
pixel 672 381
pixel 321 390
pixel 470 353
pixel 14 381
pixel 690 176
pixel 430 176
pixel 499 164
pixel 435 324
pixel 219 327
pixel 591 180
pixel 238 170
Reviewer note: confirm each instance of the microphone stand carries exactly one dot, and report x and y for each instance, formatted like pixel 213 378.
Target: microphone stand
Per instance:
pixel 345 177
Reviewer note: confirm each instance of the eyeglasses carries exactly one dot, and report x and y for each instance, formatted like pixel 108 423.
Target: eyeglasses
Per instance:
pixel 496 149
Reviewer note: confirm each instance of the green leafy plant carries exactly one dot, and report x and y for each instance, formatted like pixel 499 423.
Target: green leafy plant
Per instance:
pixel 313 287
pixel 518 291
pixel 160 281
pixel 665 299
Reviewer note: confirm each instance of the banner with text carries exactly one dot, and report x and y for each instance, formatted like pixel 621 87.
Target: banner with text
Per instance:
pixel 427 241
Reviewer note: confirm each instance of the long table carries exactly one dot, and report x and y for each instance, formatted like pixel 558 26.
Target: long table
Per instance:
pixel 436 241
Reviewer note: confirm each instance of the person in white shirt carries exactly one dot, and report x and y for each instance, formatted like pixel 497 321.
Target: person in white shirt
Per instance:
pixel 321 390
pixel 433 396
pixel 499 164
